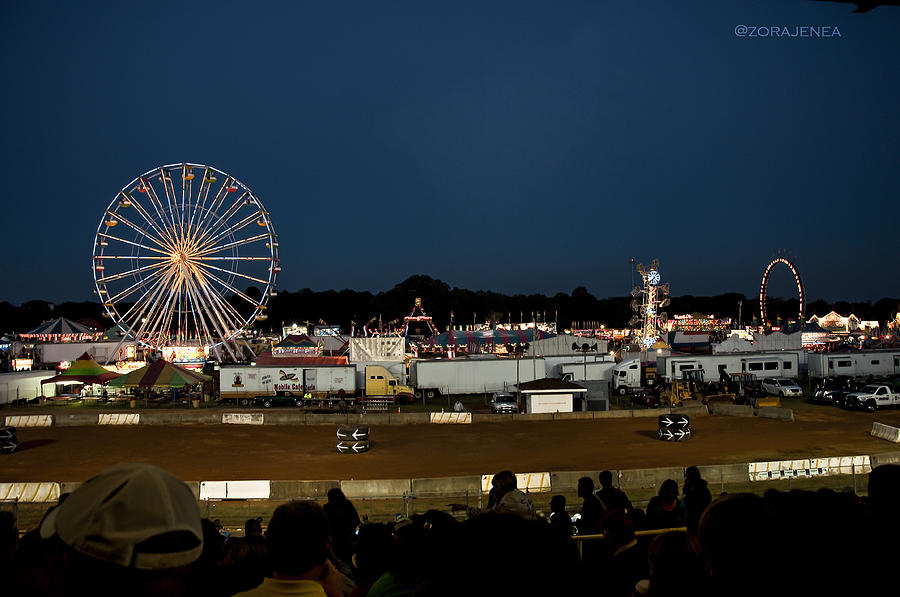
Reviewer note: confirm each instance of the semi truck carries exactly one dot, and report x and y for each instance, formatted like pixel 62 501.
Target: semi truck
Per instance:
pixel 248 385
pixel 631 375
pixel 431 378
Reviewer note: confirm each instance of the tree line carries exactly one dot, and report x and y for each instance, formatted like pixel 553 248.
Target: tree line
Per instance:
pixel 348 308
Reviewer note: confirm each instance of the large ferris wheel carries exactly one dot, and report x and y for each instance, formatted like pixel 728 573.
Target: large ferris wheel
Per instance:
pixel 185 255
pixel 780 258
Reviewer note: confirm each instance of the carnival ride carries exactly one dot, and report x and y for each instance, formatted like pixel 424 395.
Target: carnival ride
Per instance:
pixel 765 281
pixel 416 318
pixel 647 300
pixel 185 255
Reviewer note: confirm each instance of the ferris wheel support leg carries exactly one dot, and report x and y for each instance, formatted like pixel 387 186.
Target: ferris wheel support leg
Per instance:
pixel 244 345
pixel 112 356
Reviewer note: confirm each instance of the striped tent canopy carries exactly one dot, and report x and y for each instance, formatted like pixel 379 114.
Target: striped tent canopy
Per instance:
pixel 159 374
pixel 297 341
pixel 86 370
pixel 483 337
pixel 61 329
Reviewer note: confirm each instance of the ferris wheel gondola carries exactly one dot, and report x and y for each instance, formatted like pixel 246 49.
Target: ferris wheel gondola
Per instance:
pixel 185 260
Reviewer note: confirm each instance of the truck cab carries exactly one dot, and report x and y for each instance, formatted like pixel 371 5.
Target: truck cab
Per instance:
pixel 380 383
pixel 631 375
pixel 873 397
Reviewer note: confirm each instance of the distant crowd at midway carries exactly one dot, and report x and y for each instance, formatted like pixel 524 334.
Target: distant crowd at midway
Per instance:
pixel 135 530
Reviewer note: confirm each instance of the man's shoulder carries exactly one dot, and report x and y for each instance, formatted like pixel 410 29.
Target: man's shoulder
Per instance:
pixel 271 587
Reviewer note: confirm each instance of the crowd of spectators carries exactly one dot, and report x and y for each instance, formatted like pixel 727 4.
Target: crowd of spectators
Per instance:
pixel 136 530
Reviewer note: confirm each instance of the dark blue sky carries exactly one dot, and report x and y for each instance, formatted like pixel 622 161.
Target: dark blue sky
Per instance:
pixel 518 147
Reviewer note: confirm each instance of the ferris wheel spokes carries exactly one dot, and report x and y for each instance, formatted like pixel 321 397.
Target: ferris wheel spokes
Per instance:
pixel 141 231
pixel 236 243
pixel 234 273
pixel 140 283
pixel 213 228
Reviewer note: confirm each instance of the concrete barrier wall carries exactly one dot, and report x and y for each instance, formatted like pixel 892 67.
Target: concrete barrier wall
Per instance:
pixel 693 411
pixel 485 418
pixel 291 490
pixel 771 412
pixel 650 477
pixel 884 458
pixel 377 488
pixel 612 414
pixel 447 485
pixel 566 481
pixel 531 417
pixel 731 410
pixel 181 418
pixel 724 473
pixel 887 432
pixel 75 419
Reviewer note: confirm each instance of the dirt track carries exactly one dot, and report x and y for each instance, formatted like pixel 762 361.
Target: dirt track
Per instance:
pixel 227 452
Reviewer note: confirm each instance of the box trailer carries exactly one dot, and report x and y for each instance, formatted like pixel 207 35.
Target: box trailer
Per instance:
pixel 244 383
pixel 25 385
pixel 877 363
pixel 598 371
pixel 433 377
pixel 720 366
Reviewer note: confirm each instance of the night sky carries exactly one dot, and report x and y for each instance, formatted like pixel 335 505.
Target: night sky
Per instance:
pixel 517 147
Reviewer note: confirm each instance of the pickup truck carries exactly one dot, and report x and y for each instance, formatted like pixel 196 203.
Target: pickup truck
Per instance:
pixel 873 397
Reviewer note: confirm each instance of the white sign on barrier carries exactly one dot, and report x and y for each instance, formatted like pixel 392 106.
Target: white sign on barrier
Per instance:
pixel 532 482
pixel 118 418
pixel 235 490
pixel 834 465
pixel 882 431
pixel 242 418
pixel 29 421
pixel 451 418
pixel 30 492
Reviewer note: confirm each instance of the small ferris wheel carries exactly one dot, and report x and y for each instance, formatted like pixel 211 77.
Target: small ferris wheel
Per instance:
pixel 185 255
pixel 647 300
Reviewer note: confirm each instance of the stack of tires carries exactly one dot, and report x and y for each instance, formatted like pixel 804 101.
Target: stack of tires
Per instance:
pixel 674 428
pixel 9 442
pixel 353 439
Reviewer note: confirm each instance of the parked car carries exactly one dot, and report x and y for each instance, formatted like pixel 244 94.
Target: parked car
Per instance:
pixel 833 390
pixel 504 403
pixel 781 386
pixel 645 397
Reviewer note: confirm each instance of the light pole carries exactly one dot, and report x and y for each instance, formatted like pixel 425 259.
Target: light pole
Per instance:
pixel 584 349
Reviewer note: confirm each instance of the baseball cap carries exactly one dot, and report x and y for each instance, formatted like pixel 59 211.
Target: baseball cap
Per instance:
pixel 132 514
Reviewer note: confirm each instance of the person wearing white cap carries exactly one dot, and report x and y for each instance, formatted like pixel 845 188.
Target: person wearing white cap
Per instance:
pixel 133 529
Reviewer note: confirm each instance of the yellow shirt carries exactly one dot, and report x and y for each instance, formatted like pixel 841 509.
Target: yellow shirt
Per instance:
pixel 271 587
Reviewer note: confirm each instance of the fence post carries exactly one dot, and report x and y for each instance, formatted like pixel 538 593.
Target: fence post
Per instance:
pixel 853 473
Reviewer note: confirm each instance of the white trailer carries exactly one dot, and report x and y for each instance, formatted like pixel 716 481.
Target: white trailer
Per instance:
pixel 877 363
pixel 103 352
pixel 25 385
pixel 596 371
pixel 719 366
pixel 433 377
pixel 242 383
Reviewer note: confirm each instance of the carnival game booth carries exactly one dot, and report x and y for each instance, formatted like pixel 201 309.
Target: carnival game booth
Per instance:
pixel 83 378
pixel 162 381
